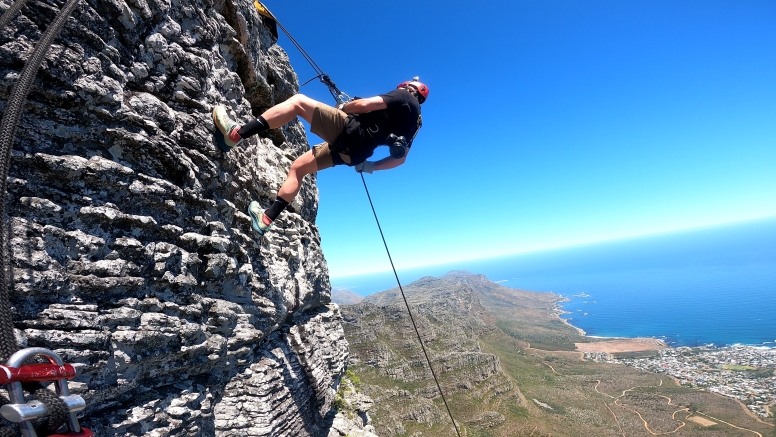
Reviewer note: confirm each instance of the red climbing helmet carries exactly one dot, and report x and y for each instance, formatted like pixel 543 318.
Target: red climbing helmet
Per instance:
pixel 420 87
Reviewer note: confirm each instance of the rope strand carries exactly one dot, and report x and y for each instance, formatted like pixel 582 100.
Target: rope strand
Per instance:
pixel 420 340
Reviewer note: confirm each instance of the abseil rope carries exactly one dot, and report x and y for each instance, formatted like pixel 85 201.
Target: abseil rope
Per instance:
pixel 10 13
pixel 58 411
pixel 8 126
pixel 420 340
pixel 336 93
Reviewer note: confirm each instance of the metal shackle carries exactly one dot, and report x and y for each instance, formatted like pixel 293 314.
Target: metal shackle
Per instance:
pixel 22 412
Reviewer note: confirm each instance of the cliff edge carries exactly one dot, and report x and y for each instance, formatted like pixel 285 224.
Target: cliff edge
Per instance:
pixel 132 254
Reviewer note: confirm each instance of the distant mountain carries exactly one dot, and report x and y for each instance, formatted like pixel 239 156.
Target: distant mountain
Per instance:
pixel 508 367
pixel 386 355
pixel 345 297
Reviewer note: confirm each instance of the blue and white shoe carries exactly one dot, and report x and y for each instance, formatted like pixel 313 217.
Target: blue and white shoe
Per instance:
pixel 227 127
pixel 257 218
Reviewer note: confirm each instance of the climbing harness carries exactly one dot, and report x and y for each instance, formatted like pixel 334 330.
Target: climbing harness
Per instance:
pixel 16 375
pixel 398 147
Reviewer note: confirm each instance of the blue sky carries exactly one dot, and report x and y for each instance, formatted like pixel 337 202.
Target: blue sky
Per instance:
pixel 549 123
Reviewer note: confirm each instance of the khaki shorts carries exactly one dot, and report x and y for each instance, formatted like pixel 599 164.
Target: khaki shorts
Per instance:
pixel 327 123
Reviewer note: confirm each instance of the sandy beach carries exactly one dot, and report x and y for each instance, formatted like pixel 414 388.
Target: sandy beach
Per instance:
pixel 622 345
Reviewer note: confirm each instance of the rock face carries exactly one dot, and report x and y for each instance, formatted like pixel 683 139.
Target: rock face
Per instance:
pixel 352 419
pixel 132 255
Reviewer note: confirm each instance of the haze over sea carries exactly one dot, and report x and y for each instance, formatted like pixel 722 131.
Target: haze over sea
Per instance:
pixel 701 286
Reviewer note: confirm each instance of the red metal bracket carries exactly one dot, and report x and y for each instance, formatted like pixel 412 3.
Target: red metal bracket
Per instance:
pixel 36 373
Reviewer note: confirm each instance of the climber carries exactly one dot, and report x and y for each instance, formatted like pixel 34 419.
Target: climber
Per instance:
pixel 351 132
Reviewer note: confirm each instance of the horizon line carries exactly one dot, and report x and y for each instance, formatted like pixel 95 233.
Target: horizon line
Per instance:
pixel 763 218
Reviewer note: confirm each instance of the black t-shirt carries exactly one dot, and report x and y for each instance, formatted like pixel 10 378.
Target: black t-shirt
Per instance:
pixel 364 132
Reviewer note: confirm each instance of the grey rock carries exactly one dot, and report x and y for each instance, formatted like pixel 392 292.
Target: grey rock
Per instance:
pixel 132 254
pixel 352 419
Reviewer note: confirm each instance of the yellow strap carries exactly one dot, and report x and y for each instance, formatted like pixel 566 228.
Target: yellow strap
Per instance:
pixel 262 9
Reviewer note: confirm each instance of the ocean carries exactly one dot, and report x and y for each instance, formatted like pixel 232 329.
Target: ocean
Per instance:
pixel 713 285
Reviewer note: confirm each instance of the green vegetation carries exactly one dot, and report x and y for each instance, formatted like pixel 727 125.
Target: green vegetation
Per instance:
pixel 550 335
pixel 762 373
pixel 339 403
pixel 350 383
pixel 355 380
pixel 737 368
pixel 640 354
pixel 517 412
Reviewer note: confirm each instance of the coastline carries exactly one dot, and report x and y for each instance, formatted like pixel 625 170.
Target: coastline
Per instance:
pixel 638 342
pixel 607 344
pixel 557 310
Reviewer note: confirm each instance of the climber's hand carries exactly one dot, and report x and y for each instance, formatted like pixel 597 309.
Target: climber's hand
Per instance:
pixel 365 167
